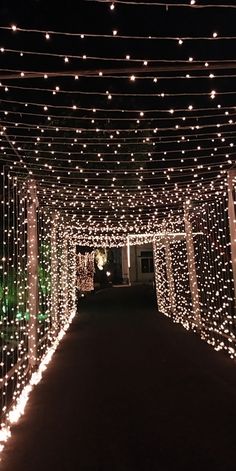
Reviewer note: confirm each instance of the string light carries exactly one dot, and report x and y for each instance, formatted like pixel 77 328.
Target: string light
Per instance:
pixel 104 168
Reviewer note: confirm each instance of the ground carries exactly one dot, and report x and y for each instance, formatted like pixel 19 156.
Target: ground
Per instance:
pixel 128 390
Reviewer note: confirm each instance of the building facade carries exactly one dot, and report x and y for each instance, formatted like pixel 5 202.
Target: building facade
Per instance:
pixel 137 264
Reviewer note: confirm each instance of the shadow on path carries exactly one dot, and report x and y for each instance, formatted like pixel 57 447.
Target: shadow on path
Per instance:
pixel 128 390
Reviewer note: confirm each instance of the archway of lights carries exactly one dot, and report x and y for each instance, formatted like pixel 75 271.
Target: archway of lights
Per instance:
pixel 111 140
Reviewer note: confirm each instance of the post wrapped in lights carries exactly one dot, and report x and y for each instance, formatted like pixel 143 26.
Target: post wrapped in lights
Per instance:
pixel 232 218
pixel 191 266
pixel 32 270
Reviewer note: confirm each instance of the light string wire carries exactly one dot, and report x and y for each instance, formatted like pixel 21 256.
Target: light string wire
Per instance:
pixel 113 94
pixel 83 35
pixel 192 5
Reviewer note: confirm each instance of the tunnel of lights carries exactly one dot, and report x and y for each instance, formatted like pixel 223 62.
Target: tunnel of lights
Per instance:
pixel 112 151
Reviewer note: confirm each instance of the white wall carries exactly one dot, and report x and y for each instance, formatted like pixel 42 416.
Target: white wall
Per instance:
pixel 136 275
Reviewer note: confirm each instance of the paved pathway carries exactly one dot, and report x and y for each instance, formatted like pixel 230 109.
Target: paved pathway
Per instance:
pixel 128 390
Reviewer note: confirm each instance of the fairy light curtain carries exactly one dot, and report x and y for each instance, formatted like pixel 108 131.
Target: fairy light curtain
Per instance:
pixel 56 257
pixel 13 276
pixel 85 271
pixel 214 275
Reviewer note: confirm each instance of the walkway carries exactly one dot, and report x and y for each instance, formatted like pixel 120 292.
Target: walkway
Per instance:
pixel 128 390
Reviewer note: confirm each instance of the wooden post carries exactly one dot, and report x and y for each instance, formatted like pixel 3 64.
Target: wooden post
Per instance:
pixel 232 221
pixel 192 268
pixel 54 274
pixel 170 278
pixel 32 269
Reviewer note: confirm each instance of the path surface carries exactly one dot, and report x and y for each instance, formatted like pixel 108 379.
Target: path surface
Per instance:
pixel 128 390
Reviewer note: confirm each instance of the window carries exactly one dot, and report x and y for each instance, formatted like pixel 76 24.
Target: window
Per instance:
pixel 147 262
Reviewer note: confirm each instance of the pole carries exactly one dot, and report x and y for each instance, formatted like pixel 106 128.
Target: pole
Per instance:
pixel 232 221
pixel 32 269
pixel 192 268
pixel 125 263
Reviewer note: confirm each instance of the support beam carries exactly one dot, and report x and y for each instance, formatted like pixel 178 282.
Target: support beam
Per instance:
pixel 232 221
pixel 170 278
pixel 128 252
pixel 192 268
pixel 32 270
